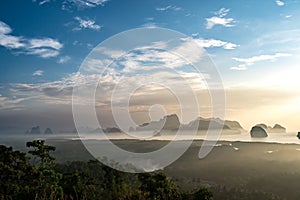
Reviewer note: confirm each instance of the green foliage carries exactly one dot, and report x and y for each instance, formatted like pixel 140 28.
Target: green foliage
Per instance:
pixel 157 186
pixel 48 180
pixel 243 194
pixel 42 153
pixel 16 174
pixel 40 178
pixel 203 194
pixel 93 180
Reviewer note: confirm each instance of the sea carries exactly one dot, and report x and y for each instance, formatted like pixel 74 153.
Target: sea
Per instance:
pixel 282 138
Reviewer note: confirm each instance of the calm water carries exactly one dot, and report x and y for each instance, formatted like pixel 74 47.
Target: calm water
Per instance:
pixel 285 138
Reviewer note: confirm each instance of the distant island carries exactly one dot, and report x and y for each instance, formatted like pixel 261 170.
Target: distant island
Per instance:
pixel 172 123
pixel 277 128
pixel 35 130
pixel 203 124
pixel 258 132
pixel 48 131
pixel 169 122
pixel 262 130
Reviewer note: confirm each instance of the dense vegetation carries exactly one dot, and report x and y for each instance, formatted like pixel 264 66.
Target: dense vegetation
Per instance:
pixel 36 175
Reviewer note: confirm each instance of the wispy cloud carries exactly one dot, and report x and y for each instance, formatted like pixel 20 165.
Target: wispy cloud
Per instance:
pixel 245 62
pixel 12 103
pixel 150 25
pixel 43 47
pixel 211 43
pixel 149 18
pixel 43 2
pixel 42 52
pixel 79 4
pixel 86 24
pixel 137 67
pixel 280 3
pixel 148 58
pixel 288 16
pixel 86 3
pixel 38 73
pixel 239 67
pixel 59 91
pixel 45 43
pixel 7 40
pixel 168 8
pixel 222 12
pixel 220 19
pixel 63 59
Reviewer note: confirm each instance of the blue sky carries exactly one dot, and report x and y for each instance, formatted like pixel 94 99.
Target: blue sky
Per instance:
pixel 254 44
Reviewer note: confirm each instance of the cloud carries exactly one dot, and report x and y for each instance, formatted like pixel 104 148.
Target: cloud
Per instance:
pixel 220 19
pixel 148 58
pixel 11 42
pixel 211 22
pixel 150 25
pixel 45 43
pixel 149 18
pixel 4 28
pixel 144 65
pixel 60 91
pixel 63 59
pixel 12 103
pixel 168 8
pixel 7 40
pixel 86 3
pixel 38 73
pixel 286 39
pixel 222 12
pixel 239 68
pixel 86 24
pixel 288 16
pixel 279 3
pixel 252 60
pixel 79 4
pixel 43 53
pixel 43 2
pixel 211 43
pixel 44 47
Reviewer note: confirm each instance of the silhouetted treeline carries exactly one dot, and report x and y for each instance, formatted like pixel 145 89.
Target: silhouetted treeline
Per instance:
pixel 37 176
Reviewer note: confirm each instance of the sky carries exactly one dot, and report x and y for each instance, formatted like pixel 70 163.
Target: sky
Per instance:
pixel 254 46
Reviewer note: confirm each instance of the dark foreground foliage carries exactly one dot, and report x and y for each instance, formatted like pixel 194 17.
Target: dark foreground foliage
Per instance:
pixel 37 176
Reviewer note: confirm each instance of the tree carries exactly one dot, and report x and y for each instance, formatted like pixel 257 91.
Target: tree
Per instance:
pixel 48 179
pixel 202 194
pixel 41 151
pixel 157 186
pixel 16 174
